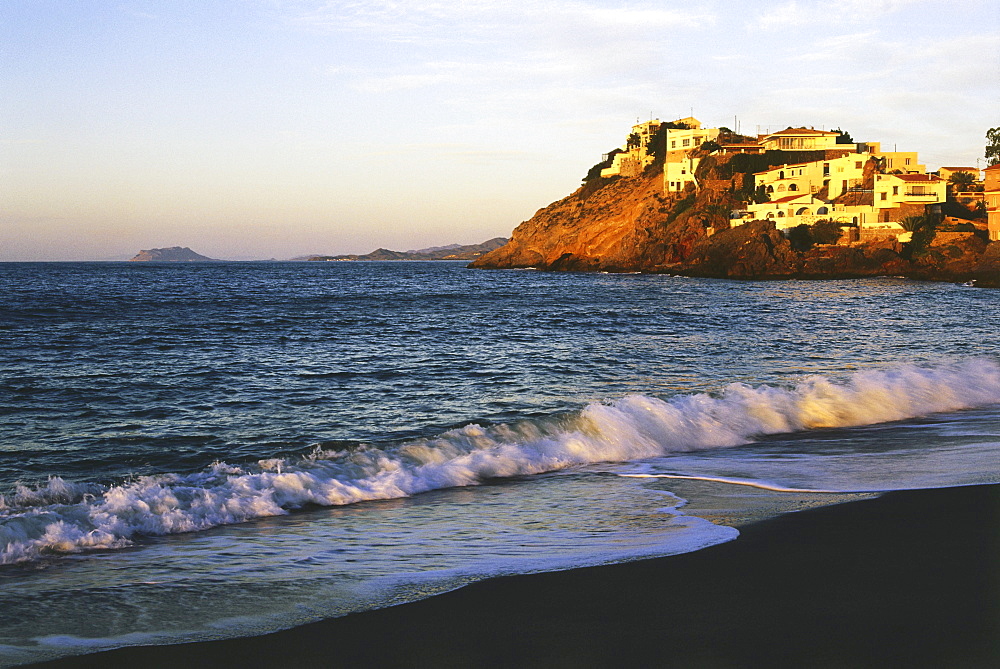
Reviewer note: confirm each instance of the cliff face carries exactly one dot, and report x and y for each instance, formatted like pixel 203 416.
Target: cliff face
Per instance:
pixel 629 225
pixel 617 225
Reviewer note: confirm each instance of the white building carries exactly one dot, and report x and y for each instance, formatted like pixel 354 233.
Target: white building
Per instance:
pixel 679 166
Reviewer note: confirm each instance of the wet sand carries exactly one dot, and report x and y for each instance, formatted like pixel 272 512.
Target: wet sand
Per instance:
pixel 908 579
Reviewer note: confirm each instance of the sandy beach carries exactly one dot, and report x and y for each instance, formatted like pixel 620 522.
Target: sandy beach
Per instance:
pixel 908 579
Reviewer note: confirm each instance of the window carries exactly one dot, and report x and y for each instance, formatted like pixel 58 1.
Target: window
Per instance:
pixel 907 161
pixel 883 194
pixel 822 210
pixel 687 142
pixel 673 144
pixel 857 164
pixel 895 190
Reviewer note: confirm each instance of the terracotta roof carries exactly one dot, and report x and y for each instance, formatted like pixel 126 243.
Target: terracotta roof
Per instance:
pixel 915 177
pixel 957 169
pixel 993 167
pixel 789 198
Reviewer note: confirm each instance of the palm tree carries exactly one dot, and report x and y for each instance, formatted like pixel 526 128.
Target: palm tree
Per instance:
pixel 961 181
pixel 914 223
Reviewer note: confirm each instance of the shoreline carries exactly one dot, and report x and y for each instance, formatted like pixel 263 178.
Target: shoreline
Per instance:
pixel 911 578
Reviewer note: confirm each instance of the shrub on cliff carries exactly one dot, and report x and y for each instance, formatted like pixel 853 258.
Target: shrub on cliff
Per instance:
pixel 920 242
pixel 825 232
pixel 800 237
pixel 595 171
pixel 958 210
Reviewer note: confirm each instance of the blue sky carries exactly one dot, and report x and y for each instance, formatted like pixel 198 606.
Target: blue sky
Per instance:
pixel 276 128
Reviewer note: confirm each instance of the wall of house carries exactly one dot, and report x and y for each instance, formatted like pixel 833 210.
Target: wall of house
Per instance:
pixel 841 173
pixel 991 185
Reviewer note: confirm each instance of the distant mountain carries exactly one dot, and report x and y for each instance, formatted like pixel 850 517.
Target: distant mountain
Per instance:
pixel 172 254
pixel 434 249
pixel 450 252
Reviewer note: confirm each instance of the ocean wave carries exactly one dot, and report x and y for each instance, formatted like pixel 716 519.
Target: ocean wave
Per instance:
pixel 64 517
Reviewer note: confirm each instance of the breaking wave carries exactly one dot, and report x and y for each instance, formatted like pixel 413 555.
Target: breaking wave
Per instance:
pixel 64 517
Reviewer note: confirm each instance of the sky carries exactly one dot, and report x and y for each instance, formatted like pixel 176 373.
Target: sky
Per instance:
pixel 249 129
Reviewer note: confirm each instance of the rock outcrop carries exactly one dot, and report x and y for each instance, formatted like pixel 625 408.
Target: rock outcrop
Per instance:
pixel 617 225
pixel 172 254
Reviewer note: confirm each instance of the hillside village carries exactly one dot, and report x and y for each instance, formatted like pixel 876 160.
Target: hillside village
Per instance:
pixel 824 178
pixel 679 198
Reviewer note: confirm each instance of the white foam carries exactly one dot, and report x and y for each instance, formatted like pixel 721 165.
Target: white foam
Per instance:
pixel 773 487
pixel 62 517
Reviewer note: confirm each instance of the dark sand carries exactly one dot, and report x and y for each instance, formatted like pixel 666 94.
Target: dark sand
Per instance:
pixel 909 579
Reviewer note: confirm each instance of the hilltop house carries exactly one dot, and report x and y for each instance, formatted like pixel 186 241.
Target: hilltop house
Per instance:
pixel 681 138
pixel 680 166
pixel 634 156
pixel 800 139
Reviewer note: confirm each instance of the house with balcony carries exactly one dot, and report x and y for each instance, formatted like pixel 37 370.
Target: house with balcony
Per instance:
pixel 801 139
pixel 894 191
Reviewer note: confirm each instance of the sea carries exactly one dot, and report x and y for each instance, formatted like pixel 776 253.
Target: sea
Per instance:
pixel 212 450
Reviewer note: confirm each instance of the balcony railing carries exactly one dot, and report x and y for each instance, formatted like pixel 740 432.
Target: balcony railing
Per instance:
pixel 919 194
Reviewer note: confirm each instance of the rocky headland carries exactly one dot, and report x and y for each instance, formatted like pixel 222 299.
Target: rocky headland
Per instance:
pixel 618 224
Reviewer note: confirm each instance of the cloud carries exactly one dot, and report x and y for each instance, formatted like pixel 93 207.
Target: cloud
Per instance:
pixel 483 20
pixel 823 15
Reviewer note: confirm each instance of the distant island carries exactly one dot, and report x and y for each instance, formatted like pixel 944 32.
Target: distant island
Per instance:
pixel 677 198
pixel 172 254
pixel 450 252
